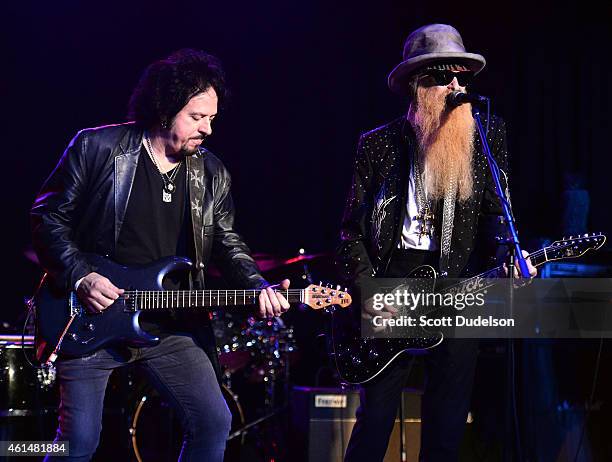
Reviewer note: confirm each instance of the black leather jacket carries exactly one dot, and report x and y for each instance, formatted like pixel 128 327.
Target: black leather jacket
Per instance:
pixel 81 208
pixel 376 205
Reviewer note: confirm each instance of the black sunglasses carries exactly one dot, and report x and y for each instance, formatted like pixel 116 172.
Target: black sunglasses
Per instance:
pixel 441 77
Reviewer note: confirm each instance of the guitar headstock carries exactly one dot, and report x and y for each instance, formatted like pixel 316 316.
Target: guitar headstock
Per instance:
pixel 318 297
pixel 574 246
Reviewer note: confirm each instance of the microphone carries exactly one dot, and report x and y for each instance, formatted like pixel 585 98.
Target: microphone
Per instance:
pixel 457 98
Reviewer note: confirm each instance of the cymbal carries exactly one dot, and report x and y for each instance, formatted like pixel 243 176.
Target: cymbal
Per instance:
pixel 31 255
pixel 272 264
pixel 268 262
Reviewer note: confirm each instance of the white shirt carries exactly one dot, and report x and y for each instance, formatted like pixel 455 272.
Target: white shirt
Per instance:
pixel 412 226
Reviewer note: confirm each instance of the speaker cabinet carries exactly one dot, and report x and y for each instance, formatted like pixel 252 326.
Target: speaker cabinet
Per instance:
pixel 323 418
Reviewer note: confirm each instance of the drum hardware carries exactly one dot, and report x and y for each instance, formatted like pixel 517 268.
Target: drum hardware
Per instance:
pixel 246 428
pixel 24 389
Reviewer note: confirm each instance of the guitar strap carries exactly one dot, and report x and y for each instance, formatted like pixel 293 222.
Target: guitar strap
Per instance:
pixel 195 172
pixel 446 234
pixel 448 208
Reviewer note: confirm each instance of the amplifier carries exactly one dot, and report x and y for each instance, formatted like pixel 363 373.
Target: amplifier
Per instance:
pixel 323 418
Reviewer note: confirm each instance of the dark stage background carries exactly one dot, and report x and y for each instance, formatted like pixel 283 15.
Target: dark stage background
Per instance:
pixel 307 78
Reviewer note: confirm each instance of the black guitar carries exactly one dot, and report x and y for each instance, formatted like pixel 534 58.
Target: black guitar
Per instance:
pixel 360 359
pixel 64 326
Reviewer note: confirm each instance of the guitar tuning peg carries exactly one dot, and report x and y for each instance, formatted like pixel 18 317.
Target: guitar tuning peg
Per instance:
pixel 346 289
pixel 320 283
pixel 338 287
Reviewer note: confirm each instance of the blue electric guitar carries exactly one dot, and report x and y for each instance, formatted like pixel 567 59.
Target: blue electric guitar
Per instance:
pixel 65 327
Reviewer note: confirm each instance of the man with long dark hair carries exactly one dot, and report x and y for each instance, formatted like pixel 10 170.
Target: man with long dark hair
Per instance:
pixel 138 192
pixel 421 188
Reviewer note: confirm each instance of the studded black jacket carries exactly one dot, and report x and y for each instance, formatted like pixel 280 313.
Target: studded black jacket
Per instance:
pixel 376 205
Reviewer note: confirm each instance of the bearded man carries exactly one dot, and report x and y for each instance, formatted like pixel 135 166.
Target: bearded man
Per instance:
pixel 421 189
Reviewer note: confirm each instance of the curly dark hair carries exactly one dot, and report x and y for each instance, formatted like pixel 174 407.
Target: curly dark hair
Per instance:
pixel 167 85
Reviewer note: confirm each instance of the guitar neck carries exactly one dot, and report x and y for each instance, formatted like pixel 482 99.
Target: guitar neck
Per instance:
pixel 484 280
pixel 173 299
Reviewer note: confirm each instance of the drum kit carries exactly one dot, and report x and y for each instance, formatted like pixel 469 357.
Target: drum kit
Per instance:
pixel 28 395
pixel 255 356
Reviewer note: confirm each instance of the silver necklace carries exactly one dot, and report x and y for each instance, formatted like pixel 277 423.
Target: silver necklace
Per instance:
pixel 169 186
pixel 425 215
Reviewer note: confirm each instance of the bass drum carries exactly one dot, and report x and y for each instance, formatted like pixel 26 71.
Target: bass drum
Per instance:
pixel 156 431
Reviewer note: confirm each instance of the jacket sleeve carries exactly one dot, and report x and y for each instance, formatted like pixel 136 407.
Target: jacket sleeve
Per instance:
pixel 55 215
pixel 499 149
pixel 352 260
pixel 491 221
pixel 229 250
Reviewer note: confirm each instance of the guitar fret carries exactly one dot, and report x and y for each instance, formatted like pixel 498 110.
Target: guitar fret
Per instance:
pixel 176 299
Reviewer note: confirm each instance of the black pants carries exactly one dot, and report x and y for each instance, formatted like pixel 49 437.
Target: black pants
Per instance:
pixel 449 372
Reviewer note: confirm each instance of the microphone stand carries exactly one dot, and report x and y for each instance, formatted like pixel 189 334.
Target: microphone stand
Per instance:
pixel 513 240
pixel 515 256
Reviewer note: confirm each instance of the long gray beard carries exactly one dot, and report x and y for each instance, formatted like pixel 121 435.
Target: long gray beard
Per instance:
pixel 446 145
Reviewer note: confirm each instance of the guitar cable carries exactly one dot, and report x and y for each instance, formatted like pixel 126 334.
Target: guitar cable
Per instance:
pixel 30 313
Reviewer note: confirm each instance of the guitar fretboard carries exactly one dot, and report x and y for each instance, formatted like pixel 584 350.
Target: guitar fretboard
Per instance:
pixel 490 277
pixel 176 299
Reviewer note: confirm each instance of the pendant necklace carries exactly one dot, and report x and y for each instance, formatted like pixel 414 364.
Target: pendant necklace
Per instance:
pixel 169 186
pixel 425 216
